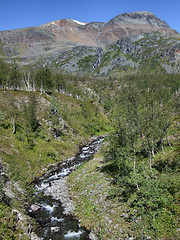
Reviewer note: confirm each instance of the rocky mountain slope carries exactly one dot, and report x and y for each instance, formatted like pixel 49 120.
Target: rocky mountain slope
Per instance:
pixel 148 51
pixel 120 45
pixel 66 33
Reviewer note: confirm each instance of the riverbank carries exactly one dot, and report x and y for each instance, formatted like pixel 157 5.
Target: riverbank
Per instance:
pixel 52 206
pixel 106 217
pixel 57 189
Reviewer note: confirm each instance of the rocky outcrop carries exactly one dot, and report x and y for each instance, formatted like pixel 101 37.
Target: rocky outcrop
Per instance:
pixel 161 47
pixel 127 54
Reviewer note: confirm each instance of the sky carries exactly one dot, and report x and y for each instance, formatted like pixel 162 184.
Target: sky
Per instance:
pixel 28 13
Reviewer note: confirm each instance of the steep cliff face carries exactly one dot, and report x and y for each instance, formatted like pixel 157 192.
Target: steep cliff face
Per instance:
pixel 34 42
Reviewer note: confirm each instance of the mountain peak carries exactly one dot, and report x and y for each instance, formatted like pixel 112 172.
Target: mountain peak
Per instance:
pixel 143 13
pixel 65 34
pixel 139 17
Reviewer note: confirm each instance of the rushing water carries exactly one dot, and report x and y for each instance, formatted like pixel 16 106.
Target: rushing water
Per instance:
pixel 54 224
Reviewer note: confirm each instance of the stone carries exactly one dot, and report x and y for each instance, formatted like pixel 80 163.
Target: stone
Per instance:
pixel 59 191
pixel 35 207
pixel 92 236
pixel 55 229
pixel 125 215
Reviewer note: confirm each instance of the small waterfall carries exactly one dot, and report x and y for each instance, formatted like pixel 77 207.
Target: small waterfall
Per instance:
pixel 98 58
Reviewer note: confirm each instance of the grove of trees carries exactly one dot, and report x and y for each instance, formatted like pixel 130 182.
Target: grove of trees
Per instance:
pixel 37 78
pixel 144 115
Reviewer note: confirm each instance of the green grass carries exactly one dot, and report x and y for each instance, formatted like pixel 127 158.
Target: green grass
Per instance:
pixel 27 155
pixel 96 211
pixel 152 211
pixel 9 228
pixel 87 62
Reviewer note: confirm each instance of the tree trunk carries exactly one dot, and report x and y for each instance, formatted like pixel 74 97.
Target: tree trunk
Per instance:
pixel 27 80
pixel 13 125
pixel 150 160
pixel 163 148
pixel 34 87
pixel 168 142
pixel 153 148
pixel 150 156
pixel 134 163
pixel 41 88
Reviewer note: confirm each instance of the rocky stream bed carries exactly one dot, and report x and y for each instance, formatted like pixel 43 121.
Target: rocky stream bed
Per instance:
pixel 53 207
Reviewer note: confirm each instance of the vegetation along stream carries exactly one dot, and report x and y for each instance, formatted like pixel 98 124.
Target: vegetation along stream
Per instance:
pixel 53 207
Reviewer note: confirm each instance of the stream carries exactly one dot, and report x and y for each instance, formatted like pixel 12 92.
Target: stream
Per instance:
pixel 53 206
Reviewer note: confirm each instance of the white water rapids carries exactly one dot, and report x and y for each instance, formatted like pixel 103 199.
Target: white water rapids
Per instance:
pixel 53 207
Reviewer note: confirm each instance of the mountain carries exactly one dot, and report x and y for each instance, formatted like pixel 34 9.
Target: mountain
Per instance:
pixel 73 46
pixel 48 114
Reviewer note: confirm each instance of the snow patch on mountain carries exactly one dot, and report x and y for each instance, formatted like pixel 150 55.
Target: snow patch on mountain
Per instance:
pixel 80 23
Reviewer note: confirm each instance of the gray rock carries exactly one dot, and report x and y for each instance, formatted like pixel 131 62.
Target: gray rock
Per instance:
pixel 59 191
pixel 125 215
pixel 92 236
pixel 35 207
pixel 33 236
pixel 55 229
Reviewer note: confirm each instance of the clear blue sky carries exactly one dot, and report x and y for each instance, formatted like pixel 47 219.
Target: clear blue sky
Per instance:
pixel 27 13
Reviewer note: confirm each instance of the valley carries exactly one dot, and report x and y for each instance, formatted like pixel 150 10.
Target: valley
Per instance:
pixel 65 84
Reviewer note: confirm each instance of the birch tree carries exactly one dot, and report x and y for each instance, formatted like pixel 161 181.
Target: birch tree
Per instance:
pixel 13 112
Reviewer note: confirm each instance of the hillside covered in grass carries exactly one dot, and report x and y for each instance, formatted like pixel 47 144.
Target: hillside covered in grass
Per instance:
pixel 45 115
pixel 38 130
